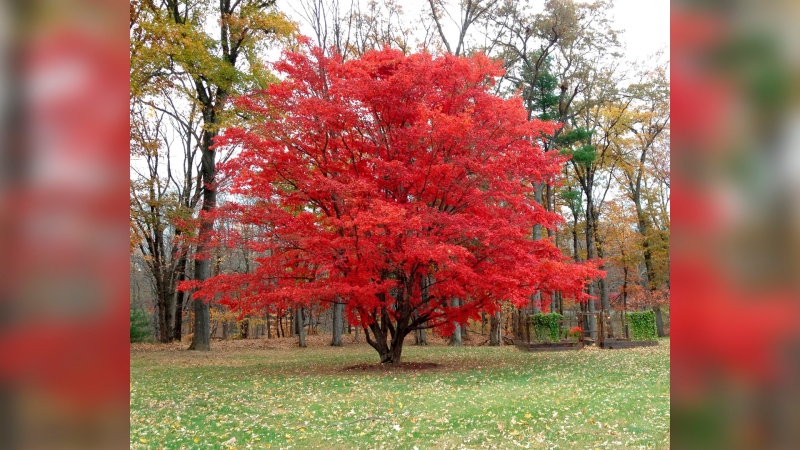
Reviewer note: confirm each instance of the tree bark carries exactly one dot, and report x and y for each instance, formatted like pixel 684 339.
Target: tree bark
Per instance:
pixel 202 268
pixel 177 327
pixel 591 253
pixel 244 328
pixel 659 321
pixel 390 352
pixel 421 337
pixel 338 311
pixel 301 329
pixel 494 330
pixel 455 339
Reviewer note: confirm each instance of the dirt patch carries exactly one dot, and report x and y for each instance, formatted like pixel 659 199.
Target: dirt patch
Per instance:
pixel 404 366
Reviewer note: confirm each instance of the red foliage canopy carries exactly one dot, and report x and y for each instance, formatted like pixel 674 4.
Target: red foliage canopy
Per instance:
pixel 392 183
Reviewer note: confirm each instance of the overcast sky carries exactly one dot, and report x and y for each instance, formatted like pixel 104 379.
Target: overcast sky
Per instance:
pixel 646 25
pixel 645 22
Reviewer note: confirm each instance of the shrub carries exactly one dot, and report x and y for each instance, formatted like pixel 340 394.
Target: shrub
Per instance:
pixel 140 328
pixel 546 326
pixel 643 325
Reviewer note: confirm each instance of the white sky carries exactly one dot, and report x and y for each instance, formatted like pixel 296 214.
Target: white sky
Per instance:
pixel 645 22
pixel 646 25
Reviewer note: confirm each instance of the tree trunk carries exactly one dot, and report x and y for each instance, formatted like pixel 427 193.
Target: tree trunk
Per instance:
pixel 389 352
pixel 202 268
pixel 301 328
pixel 515 312
pixel 338 311
pixel 591 253
pixel 421 336
pixel 266 326
pixel 394 354
pixel 455 339
pixel 494 330
pixel 606 306
pixel 244 328
pixel 178 325
pixel 659 321
pixel 163 327
pixel 592 320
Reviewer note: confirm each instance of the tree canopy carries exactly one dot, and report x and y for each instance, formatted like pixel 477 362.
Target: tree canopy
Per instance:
pixel 391 183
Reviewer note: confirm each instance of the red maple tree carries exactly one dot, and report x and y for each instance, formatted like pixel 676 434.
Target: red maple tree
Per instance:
pixel 391 183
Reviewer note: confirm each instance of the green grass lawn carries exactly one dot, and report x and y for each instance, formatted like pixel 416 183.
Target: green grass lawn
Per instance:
pixel 478 397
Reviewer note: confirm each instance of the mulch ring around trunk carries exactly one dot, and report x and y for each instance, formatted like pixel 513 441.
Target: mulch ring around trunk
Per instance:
pixel 404 366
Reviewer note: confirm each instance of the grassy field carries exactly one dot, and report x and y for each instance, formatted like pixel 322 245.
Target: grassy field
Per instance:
pixel 477 397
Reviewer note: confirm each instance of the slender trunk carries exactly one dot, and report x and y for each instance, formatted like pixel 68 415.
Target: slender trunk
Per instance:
pixel 536 303
pixel 494 330
pixel 179 300
pixel 515 322
pixel 455 339
pixel 420 335
pixel 605 306
pixel 575 255
pixel 301 329
pixel 604 300
pixel 338 311
pixel 420 338
pixel 591 253
pixel 169 314
pixel 162 312
pixel 244 328
pixel 535 306
pixel 659 321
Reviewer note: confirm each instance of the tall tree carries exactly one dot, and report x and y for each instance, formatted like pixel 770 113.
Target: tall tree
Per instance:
pixel 644 175
pixel 558 58
pixel 164 193
pixel 207 51
pixel 376 173
pixel 648 127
